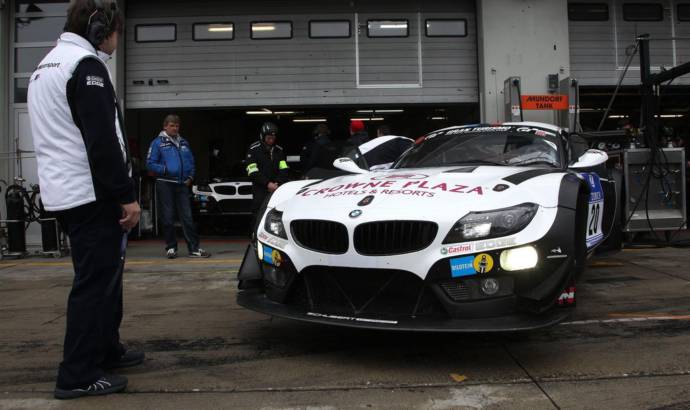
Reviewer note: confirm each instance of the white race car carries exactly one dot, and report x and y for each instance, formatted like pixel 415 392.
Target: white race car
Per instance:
pixel 474 229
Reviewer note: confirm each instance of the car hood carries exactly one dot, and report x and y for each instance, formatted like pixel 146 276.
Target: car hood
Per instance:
pixel 429 193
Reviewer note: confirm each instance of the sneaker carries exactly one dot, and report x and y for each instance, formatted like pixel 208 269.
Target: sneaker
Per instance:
pixel 128 359
pixel 171 253
pixel 199 253
pixel 107 384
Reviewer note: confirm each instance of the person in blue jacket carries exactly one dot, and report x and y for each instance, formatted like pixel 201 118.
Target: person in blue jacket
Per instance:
pixel 170 158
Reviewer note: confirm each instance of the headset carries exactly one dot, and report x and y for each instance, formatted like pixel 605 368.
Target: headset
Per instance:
pixel 100 21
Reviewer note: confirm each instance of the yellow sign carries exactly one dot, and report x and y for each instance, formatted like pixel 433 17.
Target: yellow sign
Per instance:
pixel 483 263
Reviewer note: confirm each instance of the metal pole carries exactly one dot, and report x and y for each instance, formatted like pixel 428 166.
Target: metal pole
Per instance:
pixel 648 104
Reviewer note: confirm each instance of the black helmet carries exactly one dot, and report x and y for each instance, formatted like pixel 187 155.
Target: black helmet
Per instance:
pixel 267 128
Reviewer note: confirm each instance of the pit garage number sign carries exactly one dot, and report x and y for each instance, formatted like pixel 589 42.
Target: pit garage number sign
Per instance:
pixel 595 209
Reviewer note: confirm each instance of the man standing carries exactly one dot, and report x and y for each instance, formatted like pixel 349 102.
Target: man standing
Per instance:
pixel 85 178
pixel 266 166
pixel 358 133
pixel 319 152
pixel 172 161
pixel 385 149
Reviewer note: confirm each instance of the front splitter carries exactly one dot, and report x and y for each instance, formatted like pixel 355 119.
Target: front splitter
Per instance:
pixel 257 301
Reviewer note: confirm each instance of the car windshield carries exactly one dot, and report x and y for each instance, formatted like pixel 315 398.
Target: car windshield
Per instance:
pixel 501 145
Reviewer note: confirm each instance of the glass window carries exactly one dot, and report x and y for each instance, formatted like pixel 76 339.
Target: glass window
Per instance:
pixel 41 6
pixel 21 86
pixel 27 58
pixel 38 29
pixel 155 33
pixel 446 28
pixel 387 28
pixel 588 12
pixel 684 12
pixel 329 29
pixel 643 12
pixel 213 31
pixel 271 30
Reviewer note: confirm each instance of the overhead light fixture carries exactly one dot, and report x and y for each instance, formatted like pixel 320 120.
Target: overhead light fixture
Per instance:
pixel 388 111
pixel 367 119
pixel 365 111
pixel 439 118
pixel 309 120
pixel 284 112
pixel 220 29
pixel 268 27
pixel 262 112
pixel 393 26
pixel 670 116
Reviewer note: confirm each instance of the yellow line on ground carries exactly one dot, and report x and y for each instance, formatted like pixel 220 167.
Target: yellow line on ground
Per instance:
pixel 666 316
pixel 136 262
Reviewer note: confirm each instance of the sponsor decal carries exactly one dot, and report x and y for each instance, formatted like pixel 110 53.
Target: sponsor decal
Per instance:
pixel 494 244
pixel 537 131
pixel 272 256
pixel 557 250
pixel 272 240
pixel 469 130
pixel 483 263
pixel 462 266
pixel 567 297
pixel 356 213
pixel 353 319
pixel 366 201
pixel 400 176
pixel 408 187
pixel 48 65
pixel 94 80
pixel 455 249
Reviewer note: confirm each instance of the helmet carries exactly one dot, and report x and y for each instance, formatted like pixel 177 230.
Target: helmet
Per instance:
pixel 267 128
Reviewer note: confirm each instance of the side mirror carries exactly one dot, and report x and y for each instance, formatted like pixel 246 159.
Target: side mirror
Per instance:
pixel 591 158
pixel 348 165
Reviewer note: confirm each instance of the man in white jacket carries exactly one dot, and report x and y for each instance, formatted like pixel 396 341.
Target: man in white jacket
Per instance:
pixel 85 178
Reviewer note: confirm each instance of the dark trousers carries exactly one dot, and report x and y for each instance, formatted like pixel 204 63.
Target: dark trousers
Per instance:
pixel 94 306
pixel 174 197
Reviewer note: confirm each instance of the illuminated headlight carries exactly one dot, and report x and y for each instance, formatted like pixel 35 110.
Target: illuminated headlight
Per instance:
pixel 274 223
pixel 492 224
pixel 519 258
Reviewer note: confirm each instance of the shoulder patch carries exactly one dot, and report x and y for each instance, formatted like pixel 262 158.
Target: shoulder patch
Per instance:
pixel 95 81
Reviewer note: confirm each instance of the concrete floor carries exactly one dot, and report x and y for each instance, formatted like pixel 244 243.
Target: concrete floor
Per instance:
pixel 627 345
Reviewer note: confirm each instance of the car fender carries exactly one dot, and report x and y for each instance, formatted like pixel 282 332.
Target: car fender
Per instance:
pixel 288 190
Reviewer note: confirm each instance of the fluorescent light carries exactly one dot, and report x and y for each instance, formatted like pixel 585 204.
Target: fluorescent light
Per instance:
pixel 262 112
pixel 309 120
pixel 284 113
pixel 365 111
pixel 220 29
pixel 439 118
pixel 367 119
pixel 264 28
pixel 388 111
pixel 669 116
pixel 393 26
pixel 619 116
pixel 379 111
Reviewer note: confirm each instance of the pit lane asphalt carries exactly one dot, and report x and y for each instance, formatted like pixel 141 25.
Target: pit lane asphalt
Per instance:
pixel 626 346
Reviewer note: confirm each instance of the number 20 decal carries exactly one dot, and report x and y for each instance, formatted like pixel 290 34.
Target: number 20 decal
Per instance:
pixel 594 221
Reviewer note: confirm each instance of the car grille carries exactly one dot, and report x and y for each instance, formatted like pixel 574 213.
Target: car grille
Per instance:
pixel 393 237
pixel 380 293
pixel 320 236
pixel 456 290
pixel 225 190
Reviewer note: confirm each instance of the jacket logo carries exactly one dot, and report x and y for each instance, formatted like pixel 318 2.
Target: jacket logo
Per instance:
pixel 94 80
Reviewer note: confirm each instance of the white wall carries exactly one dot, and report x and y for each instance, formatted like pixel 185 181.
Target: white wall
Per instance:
pixel 523 38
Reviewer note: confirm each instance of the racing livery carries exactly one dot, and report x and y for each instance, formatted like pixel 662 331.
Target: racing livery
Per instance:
pixel 474 228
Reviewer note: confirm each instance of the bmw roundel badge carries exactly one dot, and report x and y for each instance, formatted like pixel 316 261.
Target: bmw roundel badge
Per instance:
pixel 355 213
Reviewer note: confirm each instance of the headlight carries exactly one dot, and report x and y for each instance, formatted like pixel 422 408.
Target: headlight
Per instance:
pixel 519 258
pixel 203 188
pixel 492 224
pixel 274 223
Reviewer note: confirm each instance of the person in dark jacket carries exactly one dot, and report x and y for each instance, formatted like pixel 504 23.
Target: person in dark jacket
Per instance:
pixel 266 165
pixel 358 133
pixel 320 151
pixel 172 161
